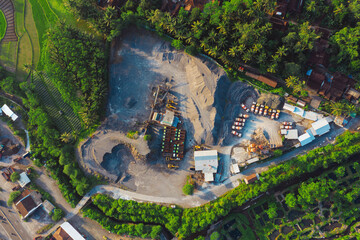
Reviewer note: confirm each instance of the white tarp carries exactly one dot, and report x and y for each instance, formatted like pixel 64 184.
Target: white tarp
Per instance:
pixel 8 112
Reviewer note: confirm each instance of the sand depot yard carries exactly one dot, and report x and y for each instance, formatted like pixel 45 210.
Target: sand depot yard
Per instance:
pixel 147 77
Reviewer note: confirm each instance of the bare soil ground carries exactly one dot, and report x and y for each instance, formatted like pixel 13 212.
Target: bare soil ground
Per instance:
pixel 208 103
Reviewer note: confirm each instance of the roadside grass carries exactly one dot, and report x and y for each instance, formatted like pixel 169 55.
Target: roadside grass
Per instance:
pixel 51 99
pixel 2 25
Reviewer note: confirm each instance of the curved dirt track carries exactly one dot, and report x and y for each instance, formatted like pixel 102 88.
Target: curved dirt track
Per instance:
pixel 7 7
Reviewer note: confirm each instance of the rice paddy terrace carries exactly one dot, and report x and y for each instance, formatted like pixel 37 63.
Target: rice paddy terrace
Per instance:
pixel 7 7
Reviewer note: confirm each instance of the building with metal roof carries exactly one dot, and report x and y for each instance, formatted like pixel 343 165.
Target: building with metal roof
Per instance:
pixel 207 162
pixel 24 179
pixel 8 112
pixel 306 138
pixel 320 127
pixel 68 232
pixel 292 134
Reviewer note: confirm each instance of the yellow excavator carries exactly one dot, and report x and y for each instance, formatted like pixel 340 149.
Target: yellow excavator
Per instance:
pixel 172 166
pixel 170 106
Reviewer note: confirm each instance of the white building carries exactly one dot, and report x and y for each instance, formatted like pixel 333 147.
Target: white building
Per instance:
pixel 305 114
pixel 207 162
pixel 306 138
pixel 292 134
pixel 24 179
pixel 320 127
pixel 8 112
pixel 67 231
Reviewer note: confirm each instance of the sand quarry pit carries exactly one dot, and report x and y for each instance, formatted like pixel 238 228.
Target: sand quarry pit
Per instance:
pixel 208 103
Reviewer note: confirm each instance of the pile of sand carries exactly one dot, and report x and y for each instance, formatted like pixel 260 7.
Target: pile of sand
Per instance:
pixel 196 82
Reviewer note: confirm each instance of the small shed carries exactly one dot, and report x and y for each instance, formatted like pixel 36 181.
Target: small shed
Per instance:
pixel 234 168
pixel 289 107
pixel 252 178
pixel 8 112
pixel 292 134
pixel 168 118
pixel 48 206
pixel 24 179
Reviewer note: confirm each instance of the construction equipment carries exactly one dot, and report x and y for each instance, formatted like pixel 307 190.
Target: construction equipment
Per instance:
pixel 169 106
pixel 172 102
pixel 171 166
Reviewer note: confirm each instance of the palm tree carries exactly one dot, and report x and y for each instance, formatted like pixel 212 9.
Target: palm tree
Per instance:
pixel 272 68
pixel 282 51
pixel 292 81
pixel 337 108
pixel 311 6
pixel 66 137
pixel 232 51
pixel 350 108
pixel 299 86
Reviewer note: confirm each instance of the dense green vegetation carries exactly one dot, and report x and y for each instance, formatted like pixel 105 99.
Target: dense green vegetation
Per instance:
pixel 2 25
pixel 132 211
pixel 325 206
pixel 76 64
pixel 138 230
pixel 47 147
pixel 196 219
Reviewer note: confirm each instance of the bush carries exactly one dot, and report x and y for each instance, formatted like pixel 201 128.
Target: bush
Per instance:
pixel 57 214
pixel 188 189
pixel 147 137
pixel 177 44
pixel 278 153
pixel 132 134
pixel 12 197
pixel 191 50
pixel 15 176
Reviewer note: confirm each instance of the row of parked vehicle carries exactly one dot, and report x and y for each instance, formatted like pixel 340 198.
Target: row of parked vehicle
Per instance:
pixel 287 125
pixel 263 110
pixel 239 123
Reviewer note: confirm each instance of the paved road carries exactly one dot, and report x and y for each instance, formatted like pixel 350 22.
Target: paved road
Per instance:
pixel 11 223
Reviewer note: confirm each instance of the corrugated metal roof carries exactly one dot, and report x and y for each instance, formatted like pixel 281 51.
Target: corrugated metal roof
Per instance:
pixel 321 126
pixel 206 161
pixel 73 233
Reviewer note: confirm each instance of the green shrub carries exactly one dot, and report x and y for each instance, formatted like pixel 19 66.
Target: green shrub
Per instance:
pixel 57 214
pixel 188 189
pixel 147 137
pixel 177 44
pixel 278 153
pixel 12 197
pixel 15 176
pixel 132 134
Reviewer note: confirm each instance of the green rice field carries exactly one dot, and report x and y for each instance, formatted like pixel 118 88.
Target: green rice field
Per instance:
pixel 2 25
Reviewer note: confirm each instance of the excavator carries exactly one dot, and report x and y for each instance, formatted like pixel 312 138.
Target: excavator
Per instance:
pixel 172 166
